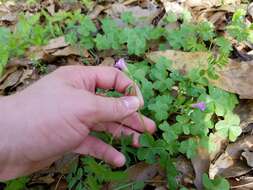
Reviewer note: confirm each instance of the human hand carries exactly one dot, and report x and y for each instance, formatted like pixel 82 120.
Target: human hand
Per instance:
pixel 56 115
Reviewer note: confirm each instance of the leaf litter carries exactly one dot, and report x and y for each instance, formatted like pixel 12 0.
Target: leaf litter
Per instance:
pixel 232 160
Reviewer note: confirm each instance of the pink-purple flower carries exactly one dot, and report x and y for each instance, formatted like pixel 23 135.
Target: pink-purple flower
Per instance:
pixel 199 105
pixel 121 65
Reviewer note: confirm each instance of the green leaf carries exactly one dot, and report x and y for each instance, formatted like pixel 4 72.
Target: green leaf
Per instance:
pixel 224 102
pixel 224 45
pixel 17 184
pixel 128 17
pixel 229 127
pixel 188 147
pixel 146 140
pixel 163 85
pixel 217 183
pixel 169 135
pixel 171 17
pixel 205 30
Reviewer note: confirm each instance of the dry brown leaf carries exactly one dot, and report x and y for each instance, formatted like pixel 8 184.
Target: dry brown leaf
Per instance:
pixel 231 155
pixel 56 43
pixel 7 73
pixel 174 7
pixel 143 16
pixel 108 61
pixel 239 168
pixel 11 80
pixel 210 3
pixel 96 11
pixel 249 157
pixel 9 17
pixel 185 169
pixel 129 2
pixel 63 166
pixel 201 165
pixel 142 171
pixel 242 183
pixel 245 112
pixel 139 172
pixel 235 77
pixel 70 50
pixel 250 10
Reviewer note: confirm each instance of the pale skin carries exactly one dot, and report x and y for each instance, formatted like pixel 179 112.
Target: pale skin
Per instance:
pixel 55 116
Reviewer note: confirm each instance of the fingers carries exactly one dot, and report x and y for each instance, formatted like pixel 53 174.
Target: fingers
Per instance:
pixel 92 77
pixel 117 130
pixel 114 109
pixel 98 149
pixel 139 123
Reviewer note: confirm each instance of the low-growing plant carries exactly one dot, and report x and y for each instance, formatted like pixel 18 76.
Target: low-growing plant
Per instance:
pixel 186 108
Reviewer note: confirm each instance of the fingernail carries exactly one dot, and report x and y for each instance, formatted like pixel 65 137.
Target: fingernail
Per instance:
pixel 119 161
pixel 131 102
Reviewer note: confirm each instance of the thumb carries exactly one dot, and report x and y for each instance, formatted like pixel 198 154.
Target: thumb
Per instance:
pixel 115 109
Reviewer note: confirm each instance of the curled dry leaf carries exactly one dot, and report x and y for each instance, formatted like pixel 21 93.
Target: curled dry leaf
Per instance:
pixel 13 78
pixel 210 3
pixel 142 16
pixel 239 168
pixel 71 50
pixel 56 43
pixel 249 157
pixel 184 167
pixel 235 77
pixel 11 81
pixel 108 61
pixel 96 11
pixel 201 165
pixel 250 10
pixel 231 155
pixel 9 17
pixel 242 183
pixel 245 112
pixel 174 7
pixel 142 171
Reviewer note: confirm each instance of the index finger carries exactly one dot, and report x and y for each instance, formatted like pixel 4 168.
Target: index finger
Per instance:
pixel 93 77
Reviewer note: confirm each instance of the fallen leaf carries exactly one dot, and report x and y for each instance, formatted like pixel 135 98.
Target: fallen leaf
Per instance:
pixel 249 157
pixel 11 80
pixel 174 7
pixel 96 11
pixel 184 167
pixel 55 44
pixel 71 50
pixel 235 77
pixel 108 61
pixel 9 17
pixel 138 172
pixel 142 171
pixel 242 183
pixel 63 166
pixel 201 165
pixel 143 16
pixel 245 112
pixel 210 3
pixel 7 73
pixel 250 9
pixel 231 155
pixel 237 169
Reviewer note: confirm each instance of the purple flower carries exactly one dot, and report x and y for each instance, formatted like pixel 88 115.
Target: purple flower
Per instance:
pixel 199 105
pixel 121 65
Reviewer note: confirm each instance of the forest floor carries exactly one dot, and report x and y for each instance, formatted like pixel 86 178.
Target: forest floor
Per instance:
pixel 193 61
